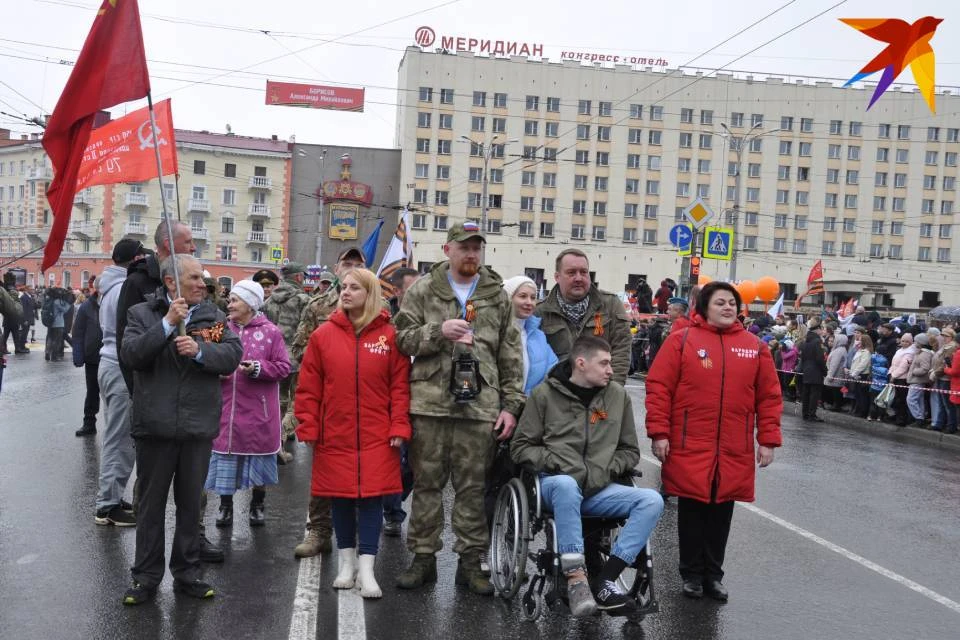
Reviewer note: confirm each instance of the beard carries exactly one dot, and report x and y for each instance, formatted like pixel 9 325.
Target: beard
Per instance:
pixel 468 269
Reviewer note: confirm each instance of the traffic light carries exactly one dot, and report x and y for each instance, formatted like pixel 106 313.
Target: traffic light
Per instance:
pixel 694 269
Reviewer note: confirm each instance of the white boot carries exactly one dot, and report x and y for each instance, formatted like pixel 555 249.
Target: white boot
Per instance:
pixel 347 574
pixel 366 580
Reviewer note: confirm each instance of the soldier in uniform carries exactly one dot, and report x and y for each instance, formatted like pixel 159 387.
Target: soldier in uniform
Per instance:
pixel 283 309
pixel 266 279
pixel 319 307
pixel 465 391
pixel 576 307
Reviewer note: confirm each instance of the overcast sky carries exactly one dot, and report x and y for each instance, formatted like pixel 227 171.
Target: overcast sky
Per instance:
pixel 360 43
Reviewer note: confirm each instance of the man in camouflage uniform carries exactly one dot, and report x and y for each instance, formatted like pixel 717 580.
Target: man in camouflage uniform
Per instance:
pixel 459 305
pixel 575 307
pixel 283 308
pixel 317 310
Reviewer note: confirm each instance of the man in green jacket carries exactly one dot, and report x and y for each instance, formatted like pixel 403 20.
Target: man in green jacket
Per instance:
pixel 577 431
pixel 575 307
pixel 458 314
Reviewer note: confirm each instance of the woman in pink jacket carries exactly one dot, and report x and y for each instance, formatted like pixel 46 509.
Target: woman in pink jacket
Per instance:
pixel 245 453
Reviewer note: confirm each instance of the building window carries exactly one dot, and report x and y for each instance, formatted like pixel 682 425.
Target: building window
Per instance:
pixel 946 231
pixel 653 187
pixel 479 98
pixel 419 221
pixel 833 152
pixel 500 101
pixel 445 121
pixel 853 176
pixel 899 180
pixel 946 207
pixel 949 183
pixel 553 105
pixel 786 123
pixel 686 140
pixel 799 246
pixel 953 135
pixel 649 236
pixel 577 231
pixel 756 119
pixel 477 123
pixel 443 147
pixel 423 145
pixel 633 185
pixel 526 203
pixel 423 120
pixel 806 149
pixel 783 172
pixel 899 204
pixel 636 112
pixel 806 125
pixel 686 115
pixel 600 183
pixel 836 127
pixel 903 156
pixel 849 225
pixel 780 245
pixel 603 158
pixel 933 134
pixel 474 199
pixel 583 132
pixel 703 191
pixel 800 222
pixel 229 197
pixel 441 197
pixel 943 254
pixel 599 233
pixel 599 208
pixel 476 174
pixel 526 226
pixel 552 129
pixel 530 127
pixel 929 182
pixel 226 224
pixel 546 229
pixel 879 203
pixel 443 172
pixel 895 252
pixel 633 136
pixel 656 113
pixel 446 96
pixel 926 206
pixel 786 147
pixel 603 134
pixel 896 228
pixel 580 207
pixel 426 94
pixel 850 201
pixel 830 200
pixel 630 210
pixel 846 249
pixel 751 218
pixel 783 196
pixel 827 248
pixel 199 167
pixel 876 250
pixel 499 125
pixel 533 103
pixel 633 161
pixel 497 150
pixel 876 227
pixel 629 234
pixel 749 243
pixel 547 205
pixel 753 170
pixel 883 131
pixel 853 152
pixel 583 107
pixel 650 211
pixel 605 109
pixel 903 132
pixel 780 221
pixel 829 224
pixel 736 119
pixel 655 136
pixel 683 165
pixel 493 226
pixel 880 179
pixel 706 141
pixel 439 223
pixel 753 194
pixel 683 189
pixel 923 254
pixel 549 179
pixel 579 182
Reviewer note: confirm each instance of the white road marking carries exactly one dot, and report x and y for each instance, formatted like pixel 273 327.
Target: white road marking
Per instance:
pixel 351 625
pixel 846 553
pixel 303 622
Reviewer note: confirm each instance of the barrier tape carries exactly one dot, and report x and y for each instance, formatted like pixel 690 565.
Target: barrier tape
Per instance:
pixel 870 382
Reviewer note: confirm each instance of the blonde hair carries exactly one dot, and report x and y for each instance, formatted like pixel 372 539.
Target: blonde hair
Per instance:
pixel 373 305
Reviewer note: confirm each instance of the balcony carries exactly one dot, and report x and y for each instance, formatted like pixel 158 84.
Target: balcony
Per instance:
pixel 261 210
pixel 39 232
pixel 86 228
pixel 83 199
pixel 135 228
pixel 40 173
pixel 195 204
pixel 258 237
pixel 137 200
pixel 200 233
pixel 261 182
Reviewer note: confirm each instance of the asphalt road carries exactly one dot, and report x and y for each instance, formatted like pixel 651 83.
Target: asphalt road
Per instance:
pixel 854 534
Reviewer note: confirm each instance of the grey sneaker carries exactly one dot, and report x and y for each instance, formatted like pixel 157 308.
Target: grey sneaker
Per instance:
pixel 582 604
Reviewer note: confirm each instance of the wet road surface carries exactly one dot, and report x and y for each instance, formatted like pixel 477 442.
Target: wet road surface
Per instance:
pixel 855 534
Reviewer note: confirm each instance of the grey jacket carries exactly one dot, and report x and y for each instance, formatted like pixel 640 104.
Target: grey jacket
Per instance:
pixel 174 397
pixel 111 281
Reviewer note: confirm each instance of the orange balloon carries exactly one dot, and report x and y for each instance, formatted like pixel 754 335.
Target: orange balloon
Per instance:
pixel 768 289
pixel 704 279
pixel 748 291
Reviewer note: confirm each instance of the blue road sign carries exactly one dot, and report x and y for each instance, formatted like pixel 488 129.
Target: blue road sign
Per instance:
pixel 719 243
pixel 681 236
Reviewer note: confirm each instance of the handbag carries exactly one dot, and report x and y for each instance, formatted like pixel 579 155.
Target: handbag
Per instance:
pixel 885 397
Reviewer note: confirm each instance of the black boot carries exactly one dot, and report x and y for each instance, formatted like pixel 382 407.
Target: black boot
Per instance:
pixel 225 515
pixel 257 518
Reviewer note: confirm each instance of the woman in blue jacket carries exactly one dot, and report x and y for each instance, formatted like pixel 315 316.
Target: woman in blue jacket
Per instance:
pixel 538 357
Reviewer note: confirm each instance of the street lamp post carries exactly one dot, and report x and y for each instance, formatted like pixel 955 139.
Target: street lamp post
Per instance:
pixel 486 152
pixel 320 163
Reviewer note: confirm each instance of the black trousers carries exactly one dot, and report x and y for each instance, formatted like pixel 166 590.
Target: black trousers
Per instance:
pixel 861 391
pixel 91 403
pixel 810 399
pixel 703 529
pixel 900 402
pixel 160 463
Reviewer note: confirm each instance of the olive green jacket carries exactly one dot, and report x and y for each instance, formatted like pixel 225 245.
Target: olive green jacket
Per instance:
pixel 496 345
pixel 614 325
pixel 283 308
pixel 316 311
pixel 558 435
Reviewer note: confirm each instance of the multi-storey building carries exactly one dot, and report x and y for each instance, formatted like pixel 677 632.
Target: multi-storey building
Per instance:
pixel 233 191
pixel 607 158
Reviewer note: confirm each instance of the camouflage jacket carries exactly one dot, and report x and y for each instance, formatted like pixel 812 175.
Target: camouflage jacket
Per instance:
pixel 317 310
pixel 283 308
pixel 605 310
pixel 496 345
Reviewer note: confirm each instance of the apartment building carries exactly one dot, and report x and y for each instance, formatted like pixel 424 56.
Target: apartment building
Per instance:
pixel 233 191
pixel 606 159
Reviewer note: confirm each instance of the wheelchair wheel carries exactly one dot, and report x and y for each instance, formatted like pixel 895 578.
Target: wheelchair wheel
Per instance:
pixel 508 540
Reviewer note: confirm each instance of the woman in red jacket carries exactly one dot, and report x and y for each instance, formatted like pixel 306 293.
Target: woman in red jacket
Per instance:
pixel 712 387
pixel 352 403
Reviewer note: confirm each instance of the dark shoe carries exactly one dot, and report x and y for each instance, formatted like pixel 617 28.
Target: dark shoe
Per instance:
pixel 470 574
pixel 257 519
pixel 693 589
pixel 950 431
pixel 614 601
pixel 115 516
pixel 138 594
pixel 422 570
pixel 716 590
pixel 22 352
pixel 126 506
pixel 225 516
pixel 817 419
pixel 195 589
pixel 208 552
pixel 392 529
pixel 85 430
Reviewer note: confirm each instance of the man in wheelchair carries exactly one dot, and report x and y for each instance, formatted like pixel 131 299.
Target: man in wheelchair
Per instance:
pixel 577 432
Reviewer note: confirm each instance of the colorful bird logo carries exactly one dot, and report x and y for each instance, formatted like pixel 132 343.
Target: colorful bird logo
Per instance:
pixel 908 44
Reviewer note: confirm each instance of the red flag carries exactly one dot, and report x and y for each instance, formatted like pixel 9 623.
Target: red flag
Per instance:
pixel 816 273
pixel 122 150
pixel 111 68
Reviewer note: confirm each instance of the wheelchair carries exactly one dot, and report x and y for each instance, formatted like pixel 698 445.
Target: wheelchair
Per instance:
pixel 520 518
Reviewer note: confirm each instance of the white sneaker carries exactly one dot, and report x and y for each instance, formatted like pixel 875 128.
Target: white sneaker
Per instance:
pixel 365 578
pixel 347 574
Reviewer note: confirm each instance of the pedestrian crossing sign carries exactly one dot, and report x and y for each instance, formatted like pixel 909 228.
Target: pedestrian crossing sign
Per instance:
pixel 718 243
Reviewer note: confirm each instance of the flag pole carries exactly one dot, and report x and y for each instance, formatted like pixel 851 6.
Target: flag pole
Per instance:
pixel 181 328
pixel 176 186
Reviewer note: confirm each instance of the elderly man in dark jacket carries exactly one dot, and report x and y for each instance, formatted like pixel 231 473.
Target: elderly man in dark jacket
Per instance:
pixel 175 417
pixel 813 366
pixel 88 338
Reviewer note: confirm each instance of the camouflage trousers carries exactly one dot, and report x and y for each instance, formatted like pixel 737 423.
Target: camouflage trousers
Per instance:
pixel 288 390
pixel 460 451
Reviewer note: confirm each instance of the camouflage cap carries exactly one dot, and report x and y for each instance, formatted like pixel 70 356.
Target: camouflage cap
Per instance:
pixel 293 268
pixel 326 276
pixel 352 251
pixel 463 231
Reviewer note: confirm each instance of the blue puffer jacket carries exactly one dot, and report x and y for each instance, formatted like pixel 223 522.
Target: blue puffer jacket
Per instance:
pixel 540 355
pixel 878 372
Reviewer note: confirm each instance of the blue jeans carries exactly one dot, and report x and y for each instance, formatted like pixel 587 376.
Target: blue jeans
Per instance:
pixel 358 515
pixel 641 507
pixel 944 413
pixel 915 402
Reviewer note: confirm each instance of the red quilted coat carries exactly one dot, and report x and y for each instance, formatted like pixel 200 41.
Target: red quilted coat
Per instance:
pixel 709 391
pixel 353 395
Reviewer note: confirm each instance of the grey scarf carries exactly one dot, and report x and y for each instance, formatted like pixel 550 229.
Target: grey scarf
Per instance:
pixel 574 311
